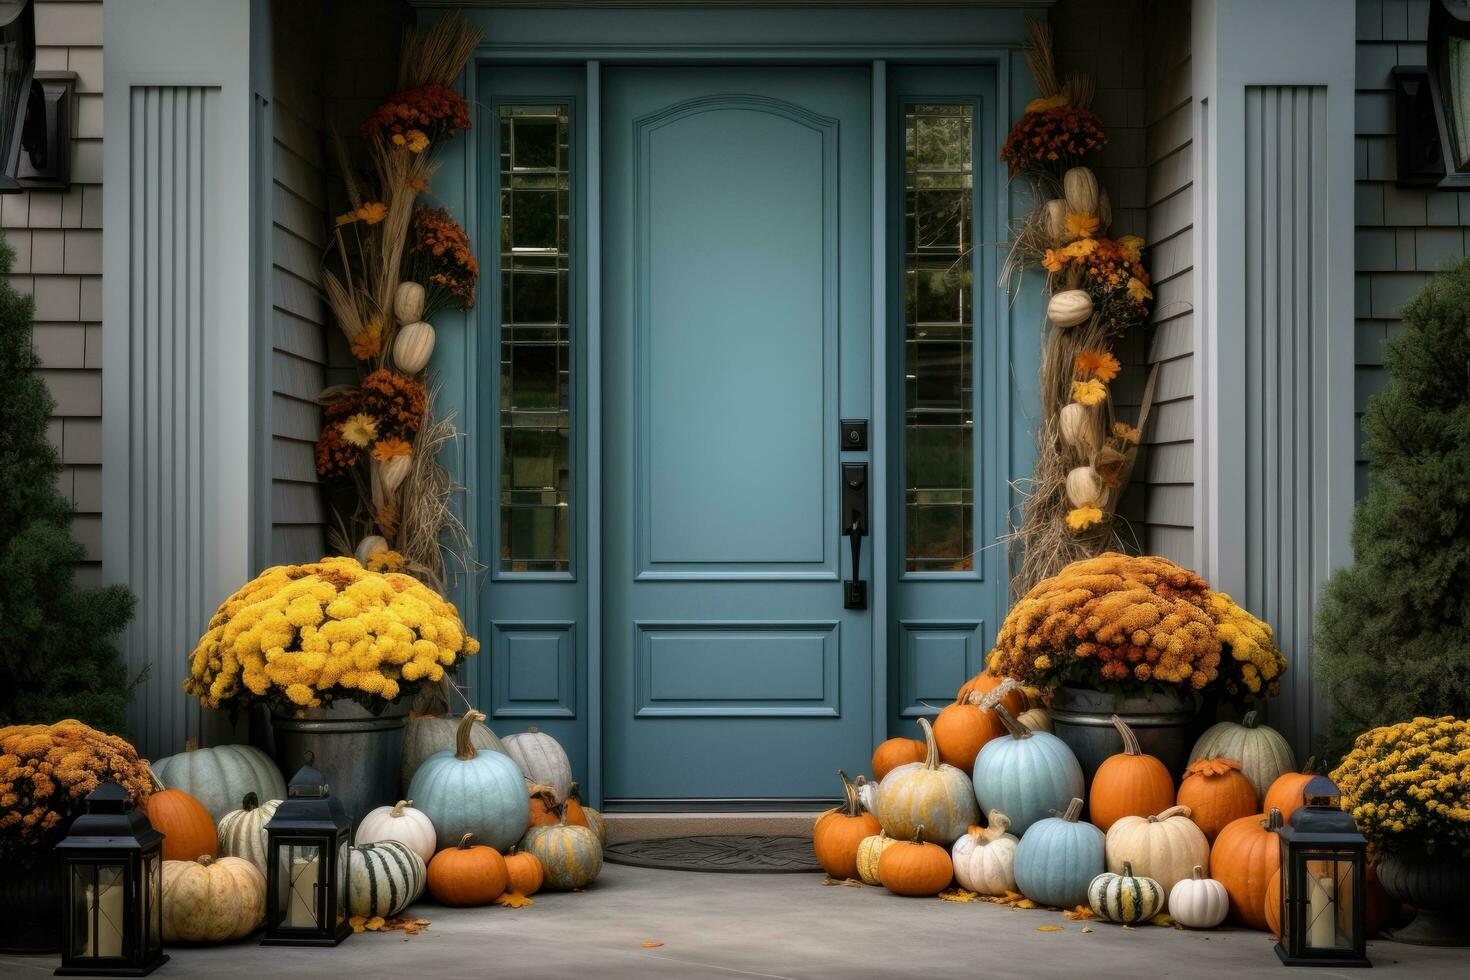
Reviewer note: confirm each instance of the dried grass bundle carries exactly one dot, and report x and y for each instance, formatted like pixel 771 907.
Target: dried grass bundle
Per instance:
pixel 435 55
pixel 429 528
pixel 1039 58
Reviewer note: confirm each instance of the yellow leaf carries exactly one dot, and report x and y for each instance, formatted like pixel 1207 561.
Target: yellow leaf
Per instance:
pixel 513 900
pixel 1080 912
pixel 1165 919
pixel 1026 903
pixel 651 944
pixel 357 920
pixel 1049 928
pixel 958 895
pixel 374 924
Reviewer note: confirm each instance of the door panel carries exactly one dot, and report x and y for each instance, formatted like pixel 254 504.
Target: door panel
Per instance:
pixel 737 326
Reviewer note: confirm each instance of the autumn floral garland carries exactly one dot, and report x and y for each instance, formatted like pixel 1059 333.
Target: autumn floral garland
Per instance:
pixel 1098 288
pixel 393 263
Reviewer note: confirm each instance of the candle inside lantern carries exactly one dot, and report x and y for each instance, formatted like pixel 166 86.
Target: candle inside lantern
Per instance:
pixel 302 910
pixel 1322 911
pixel 105 917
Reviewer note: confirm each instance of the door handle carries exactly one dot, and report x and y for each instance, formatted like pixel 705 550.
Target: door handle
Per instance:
pixel 855 527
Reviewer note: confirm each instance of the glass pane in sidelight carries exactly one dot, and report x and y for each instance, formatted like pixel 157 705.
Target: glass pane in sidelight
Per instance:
pixel 939 338
pixel 535 338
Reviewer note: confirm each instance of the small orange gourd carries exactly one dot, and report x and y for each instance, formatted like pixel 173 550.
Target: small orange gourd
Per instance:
pixel 186 825
pixel 1217 792
pixel 523 872
pixel 963 728
pixel 1129 784
pixel 1286 791
pixel 467 874
pixel 839 832
pixel 1245 855
pixel 915 868
pixel 575 812
pixel 896 752
pixel 544 810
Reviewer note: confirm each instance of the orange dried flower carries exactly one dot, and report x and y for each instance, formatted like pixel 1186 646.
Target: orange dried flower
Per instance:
pixel 437 111
pixel 386 449
pixel 1098 364
pixel 442 259
pixel 396 401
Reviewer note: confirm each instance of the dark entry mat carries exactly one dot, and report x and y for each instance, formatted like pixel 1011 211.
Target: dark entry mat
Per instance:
pixel 743 855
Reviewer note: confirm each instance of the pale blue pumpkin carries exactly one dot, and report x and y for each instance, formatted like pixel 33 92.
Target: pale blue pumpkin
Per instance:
pixel 1025 774
pixel 468 791
pixel 1058 858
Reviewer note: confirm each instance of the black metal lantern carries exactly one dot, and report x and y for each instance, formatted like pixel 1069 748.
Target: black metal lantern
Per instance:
pixel 112 890
pixel 306 843
pixel 1448 56
pixel 1324 861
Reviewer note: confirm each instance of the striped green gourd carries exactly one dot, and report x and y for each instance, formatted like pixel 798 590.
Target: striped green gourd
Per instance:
pixel 385 877
pixel 1125 898
pixel 242 831
pixel 570 856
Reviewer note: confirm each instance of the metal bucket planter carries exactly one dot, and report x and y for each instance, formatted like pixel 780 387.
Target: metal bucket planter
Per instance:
pixel 30 902
pixel 1439 889
pixel 359 753
pixel 1163 723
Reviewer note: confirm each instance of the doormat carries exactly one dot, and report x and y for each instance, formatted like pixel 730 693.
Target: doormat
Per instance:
pixel 740 855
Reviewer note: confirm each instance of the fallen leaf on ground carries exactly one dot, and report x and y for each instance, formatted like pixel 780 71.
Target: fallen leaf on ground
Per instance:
pixel 1049 928
pixel 958 895
pixel 373 924
pixel 1165 919
pixel 1080 912
pixel 513 900
pixel 651 944
pixel 1087 928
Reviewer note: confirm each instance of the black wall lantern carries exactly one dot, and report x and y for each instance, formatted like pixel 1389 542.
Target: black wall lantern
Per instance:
pixel 1447 76
pixel 112 889
pixel 35 108
pixel 306 847
pixel 1324 863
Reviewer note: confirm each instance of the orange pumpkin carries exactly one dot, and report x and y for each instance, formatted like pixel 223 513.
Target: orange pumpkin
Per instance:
pixel 1286 792
pixel 894 753
pixel 523 872
pixel 1245 855
pixel 838 832
pixel 467 874
pixel 1379 909
pixel 1129 784
pixel 576 815
pixel 983 683
pixel 1217 792
pixel 186 825
pixel 544 811
pixel 961 731
pixel 915 867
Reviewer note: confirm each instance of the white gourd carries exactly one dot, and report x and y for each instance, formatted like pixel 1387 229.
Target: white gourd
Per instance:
pixel 1262 752
pixel 1198 902
pixel 394 471
pixel 413 347
pixel 1036 719
pixel 867 794
pixel 1165 847
pixel 369 546
pixel 1056 221
pixel 1069 307
pixel 1079 184
pixel 242 831
pixel 408 302
pixel 542 760
pixel 384 879
pixel 402 823
pixel 1079 428
pixel 1085 488
pixel 985 858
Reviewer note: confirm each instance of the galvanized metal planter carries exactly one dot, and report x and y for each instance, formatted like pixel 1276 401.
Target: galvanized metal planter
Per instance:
pixel 359 753
pixel 1163 723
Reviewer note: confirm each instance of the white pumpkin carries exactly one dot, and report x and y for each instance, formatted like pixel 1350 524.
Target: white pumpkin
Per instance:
pixel 211 900
pixel 985 857
pixel 1069 307
pixel 1078 424
pixel 400 822
pixel 542 759
pixel 1085 487
pixel 369 546
pixel 1198 902
pixel 1262 752
pixel 1079 184
pixel 1055 221
pixel 385 878
pixel 408 302
pixel 1165 847
pixel 1036 719
pixel 220 776
pixel 867 794
pixel 242 831
pixel 394 471
pixel 413 346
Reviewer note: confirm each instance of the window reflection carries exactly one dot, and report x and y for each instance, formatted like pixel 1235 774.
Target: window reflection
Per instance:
pixel 535 338
pixel 938 338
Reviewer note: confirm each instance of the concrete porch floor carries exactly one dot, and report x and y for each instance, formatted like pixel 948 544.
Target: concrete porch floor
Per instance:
pixel 782 926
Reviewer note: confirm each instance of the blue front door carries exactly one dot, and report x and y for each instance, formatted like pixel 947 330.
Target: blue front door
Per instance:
pixel 737 333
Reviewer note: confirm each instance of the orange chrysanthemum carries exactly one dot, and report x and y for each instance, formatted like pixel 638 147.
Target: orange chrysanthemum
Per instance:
pixel 386 449
pixel 1098 364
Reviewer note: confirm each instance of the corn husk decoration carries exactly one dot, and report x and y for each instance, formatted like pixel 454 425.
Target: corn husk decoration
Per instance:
pixel 1079 428
pixel 1080 187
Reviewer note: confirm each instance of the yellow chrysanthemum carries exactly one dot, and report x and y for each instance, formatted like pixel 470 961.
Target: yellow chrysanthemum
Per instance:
pixel 1054 260
pixel 1137 291
pixel 1126 432
pixel 1098 364
pixel 372 212
pixel 360 430
pixel 1081 225
pixel 369 341
pixel 1089 392
pixel 1081 248
pixel 1051 102
pixel 386 561
pixel 1132 247
pixel 1082 518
